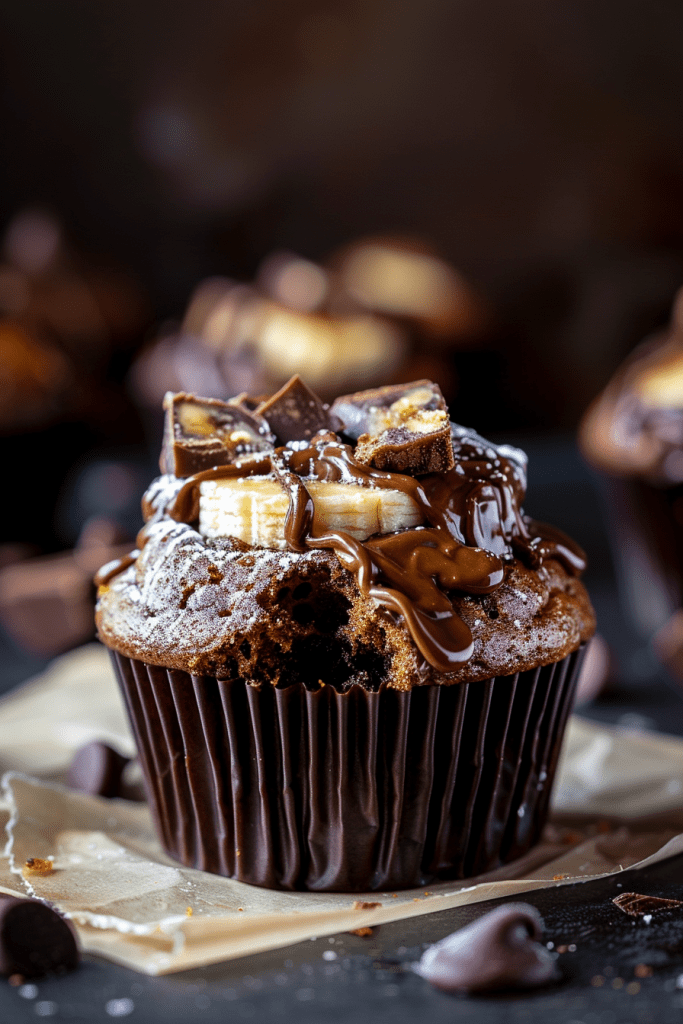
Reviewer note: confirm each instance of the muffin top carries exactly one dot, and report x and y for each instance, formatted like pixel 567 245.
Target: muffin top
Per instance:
pixel 372 541
pixel 635 427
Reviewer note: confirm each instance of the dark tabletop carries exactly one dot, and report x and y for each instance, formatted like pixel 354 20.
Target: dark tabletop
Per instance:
pixel 615 969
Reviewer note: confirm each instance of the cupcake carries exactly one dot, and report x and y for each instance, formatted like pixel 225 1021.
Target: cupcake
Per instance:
pixel 347 654
pixel 633 434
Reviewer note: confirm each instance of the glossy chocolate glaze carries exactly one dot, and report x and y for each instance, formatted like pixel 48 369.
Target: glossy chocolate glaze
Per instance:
pixel 475 525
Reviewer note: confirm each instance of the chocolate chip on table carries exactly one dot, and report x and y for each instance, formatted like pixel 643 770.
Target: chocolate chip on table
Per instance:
pixel 500 950
pixel 200 433
pixel 97 769
pixel 636 904
pixel 34 939
pixel 295 413
pixel 400 429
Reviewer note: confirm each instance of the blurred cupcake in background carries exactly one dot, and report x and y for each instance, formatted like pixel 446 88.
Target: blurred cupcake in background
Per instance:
pixel 62 319
pixel 381 309
pixel 407 280
pixel 633 433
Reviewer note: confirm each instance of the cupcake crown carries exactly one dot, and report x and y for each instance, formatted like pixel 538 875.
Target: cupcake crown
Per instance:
pixel 417 508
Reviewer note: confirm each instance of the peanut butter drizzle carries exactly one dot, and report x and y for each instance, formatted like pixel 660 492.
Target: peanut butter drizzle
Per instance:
pixel 475 523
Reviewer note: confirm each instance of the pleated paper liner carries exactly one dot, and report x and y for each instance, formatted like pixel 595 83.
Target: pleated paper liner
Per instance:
pixel 347 792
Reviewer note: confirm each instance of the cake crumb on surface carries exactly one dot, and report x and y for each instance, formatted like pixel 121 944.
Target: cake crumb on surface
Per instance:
pixel 36 866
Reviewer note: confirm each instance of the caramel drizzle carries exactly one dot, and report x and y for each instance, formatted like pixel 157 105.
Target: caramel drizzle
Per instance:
pixel 471 514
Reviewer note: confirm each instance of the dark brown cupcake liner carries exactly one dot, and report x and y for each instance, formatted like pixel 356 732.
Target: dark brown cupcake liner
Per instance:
pixel 347 792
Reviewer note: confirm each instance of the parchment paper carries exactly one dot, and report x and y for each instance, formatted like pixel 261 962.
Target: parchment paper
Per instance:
pixel 618 803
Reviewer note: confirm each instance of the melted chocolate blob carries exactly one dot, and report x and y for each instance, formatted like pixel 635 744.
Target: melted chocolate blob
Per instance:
pixel 499 951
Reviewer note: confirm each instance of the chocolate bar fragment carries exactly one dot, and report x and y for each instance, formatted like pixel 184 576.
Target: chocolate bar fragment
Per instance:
pixel 34 939
pixel 47 603
pixel 97 769
pixel 204 432
pixel 637 905
pixel 295 413
pixel 401 429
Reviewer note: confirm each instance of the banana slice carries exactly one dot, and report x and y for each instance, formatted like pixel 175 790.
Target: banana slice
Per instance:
pixel 254 510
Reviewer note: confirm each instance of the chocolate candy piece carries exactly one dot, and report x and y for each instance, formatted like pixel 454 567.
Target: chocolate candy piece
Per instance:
pixel 637 905
pixel 370 412
pixel 34 939
pixel 295 413
pixel 402 429
pixel 205 432
pixel 97 769
pixel 500 950
pixel 47 603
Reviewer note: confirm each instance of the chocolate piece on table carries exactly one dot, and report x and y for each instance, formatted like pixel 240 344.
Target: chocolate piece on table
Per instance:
pixel 97 769
pixel 637 905
pixel 34 939
pixel 366 412
pixel 46 603
pixel 295 413
pixel 205 432
pixel 500 950
pixel 402 429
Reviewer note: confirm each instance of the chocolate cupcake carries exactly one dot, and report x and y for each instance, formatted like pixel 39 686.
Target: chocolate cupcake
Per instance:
pixel 633 434
pixel 347 654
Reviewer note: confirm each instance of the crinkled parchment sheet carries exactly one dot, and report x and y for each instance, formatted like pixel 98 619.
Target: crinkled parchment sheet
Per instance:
pixel 618 802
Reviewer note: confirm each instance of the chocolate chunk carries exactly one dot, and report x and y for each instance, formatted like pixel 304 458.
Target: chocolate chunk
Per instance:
pixel 636 905
pixel 498 951
pixel 34 939
pixel 47 603
pixel 295 413
pixel 371 412
pixel 97 769
pixel 402 429
pixel 205 432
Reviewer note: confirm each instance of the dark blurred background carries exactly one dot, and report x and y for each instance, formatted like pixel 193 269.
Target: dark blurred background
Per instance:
pixel 535 148
pixel 538 146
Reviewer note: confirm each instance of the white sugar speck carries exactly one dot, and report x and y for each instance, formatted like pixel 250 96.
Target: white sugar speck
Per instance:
pixel 647 918
pixel 329 954
pixel 45 1008
pixel 28 991
pixel 119 1007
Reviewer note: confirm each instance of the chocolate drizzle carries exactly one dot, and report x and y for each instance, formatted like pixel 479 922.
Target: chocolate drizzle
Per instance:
pixel 475 525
